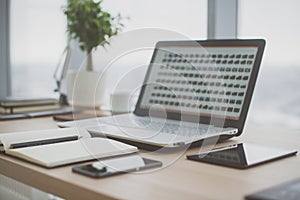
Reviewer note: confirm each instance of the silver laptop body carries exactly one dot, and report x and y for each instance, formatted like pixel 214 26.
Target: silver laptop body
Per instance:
pixel 192 90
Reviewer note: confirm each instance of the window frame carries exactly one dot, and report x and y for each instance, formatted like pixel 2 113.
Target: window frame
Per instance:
pixel 222 19
pixel 5 75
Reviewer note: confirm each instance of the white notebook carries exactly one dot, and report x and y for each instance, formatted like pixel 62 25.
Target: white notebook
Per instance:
pixel 55 147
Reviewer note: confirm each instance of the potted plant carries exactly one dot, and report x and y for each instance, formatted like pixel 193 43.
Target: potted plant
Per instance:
pixel 91 26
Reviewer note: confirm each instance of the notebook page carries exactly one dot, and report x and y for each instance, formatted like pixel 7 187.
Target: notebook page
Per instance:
pixel 74 151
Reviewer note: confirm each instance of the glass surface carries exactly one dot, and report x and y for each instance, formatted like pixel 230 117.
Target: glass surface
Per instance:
pixel 38 38
pixel 148 23
pixel 187 18
pixel 38 35
pixel 276 98
pixel 119 165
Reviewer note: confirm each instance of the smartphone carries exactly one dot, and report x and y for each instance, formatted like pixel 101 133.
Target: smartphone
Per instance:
pixel 241 156
pixel 116 166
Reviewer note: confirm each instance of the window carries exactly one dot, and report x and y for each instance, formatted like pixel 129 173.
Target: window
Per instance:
pixel 38 34
pixel 129 53
pixel 277 97
pixel 37 39
pixel 188 18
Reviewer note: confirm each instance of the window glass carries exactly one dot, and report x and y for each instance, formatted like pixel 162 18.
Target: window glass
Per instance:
pixel 38 38
pixel 188 18
pixel 277 97
pixel 148 23
pixel 38 34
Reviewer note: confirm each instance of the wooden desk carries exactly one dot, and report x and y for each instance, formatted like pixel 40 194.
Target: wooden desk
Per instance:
pixel 179 179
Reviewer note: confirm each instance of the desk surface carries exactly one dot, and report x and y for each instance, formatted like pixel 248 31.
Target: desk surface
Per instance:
pixel 178 179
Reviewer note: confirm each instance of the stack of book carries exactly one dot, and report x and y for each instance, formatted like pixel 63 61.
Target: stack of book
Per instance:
pixel 14 105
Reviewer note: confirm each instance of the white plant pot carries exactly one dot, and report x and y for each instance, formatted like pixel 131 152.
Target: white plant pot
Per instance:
pixel 86 88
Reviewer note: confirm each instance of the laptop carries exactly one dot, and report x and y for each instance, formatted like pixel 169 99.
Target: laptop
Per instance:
pixel 192 90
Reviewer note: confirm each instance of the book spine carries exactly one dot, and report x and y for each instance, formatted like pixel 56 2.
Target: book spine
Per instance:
pixel 6 110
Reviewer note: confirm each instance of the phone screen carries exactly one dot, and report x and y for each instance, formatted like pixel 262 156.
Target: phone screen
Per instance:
pixel 116 166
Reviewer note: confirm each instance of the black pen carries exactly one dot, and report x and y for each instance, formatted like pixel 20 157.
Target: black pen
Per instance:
pixel 43 142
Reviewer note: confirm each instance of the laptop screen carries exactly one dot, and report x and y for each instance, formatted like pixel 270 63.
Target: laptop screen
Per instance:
pixel 207 81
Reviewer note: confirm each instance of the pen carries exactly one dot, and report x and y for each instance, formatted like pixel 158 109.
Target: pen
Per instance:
pixel 43 142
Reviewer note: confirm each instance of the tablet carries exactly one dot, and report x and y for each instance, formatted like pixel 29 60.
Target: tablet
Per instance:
pixel 116 166
pixel 241 156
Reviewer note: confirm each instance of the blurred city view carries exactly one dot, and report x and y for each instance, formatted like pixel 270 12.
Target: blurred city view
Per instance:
pixel 276 100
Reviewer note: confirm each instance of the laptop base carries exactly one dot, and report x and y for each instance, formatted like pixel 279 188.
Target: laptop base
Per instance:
pixel 150 147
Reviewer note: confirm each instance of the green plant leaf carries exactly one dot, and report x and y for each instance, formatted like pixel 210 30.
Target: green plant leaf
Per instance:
pixel 88 23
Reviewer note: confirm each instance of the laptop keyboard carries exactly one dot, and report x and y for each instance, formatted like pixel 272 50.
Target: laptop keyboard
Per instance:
pixel 161 125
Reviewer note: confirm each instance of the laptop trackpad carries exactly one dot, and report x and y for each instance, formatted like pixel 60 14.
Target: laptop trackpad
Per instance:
pixel 139 135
